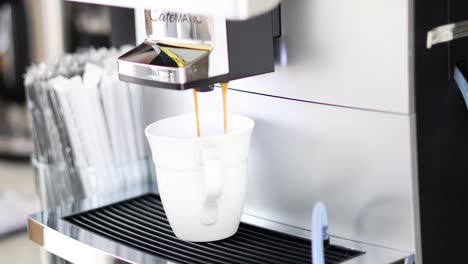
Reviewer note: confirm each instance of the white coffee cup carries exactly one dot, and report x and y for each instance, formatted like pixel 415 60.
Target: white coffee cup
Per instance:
pixel 201 181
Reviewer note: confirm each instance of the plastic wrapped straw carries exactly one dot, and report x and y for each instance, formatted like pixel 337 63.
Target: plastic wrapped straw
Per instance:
pixel 87 127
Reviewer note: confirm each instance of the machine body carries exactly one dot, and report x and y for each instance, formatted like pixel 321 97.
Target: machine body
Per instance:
pixel 359 115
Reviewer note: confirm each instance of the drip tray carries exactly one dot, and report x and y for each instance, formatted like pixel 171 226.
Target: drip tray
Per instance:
pixel 131 227
pixel 141 223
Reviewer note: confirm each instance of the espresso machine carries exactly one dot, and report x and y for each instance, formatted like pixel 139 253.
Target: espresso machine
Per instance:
pixel 355 105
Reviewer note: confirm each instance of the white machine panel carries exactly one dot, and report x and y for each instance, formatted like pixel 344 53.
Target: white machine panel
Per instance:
pixel 232 9
pixel 340 52
pixel 357 162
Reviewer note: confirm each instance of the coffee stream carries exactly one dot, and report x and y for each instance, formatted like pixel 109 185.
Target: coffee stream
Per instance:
pixel 195 101
pixel 224 88
pixel 168 57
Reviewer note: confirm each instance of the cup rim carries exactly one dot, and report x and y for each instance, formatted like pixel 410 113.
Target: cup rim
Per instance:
pixel 250 126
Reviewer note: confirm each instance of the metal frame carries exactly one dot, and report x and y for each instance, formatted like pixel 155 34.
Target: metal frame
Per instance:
pixel 50 231
pixel 447 33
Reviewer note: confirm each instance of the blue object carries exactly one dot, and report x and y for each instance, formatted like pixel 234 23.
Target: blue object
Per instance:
pixel 462 83
pixel 319 232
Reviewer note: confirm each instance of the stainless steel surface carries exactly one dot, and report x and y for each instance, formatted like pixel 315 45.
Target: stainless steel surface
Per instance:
pixel 61 238
pixel 447 33
pixel 190 41
pixel 131 65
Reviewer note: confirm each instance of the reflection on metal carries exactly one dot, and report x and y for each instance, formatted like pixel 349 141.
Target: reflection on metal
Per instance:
pixel 179 50
pixel 447 33
pixel 80 246
pixel 162 63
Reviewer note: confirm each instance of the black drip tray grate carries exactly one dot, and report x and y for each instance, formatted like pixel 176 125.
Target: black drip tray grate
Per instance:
pixel 141 223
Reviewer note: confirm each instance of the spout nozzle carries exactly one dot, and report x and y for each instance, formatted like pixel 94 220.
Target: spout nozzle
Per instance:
pixel 207 88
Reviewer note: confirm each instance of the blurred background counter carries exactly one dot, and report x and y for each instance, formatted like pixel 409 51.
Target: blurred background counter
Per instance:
pixel 31 32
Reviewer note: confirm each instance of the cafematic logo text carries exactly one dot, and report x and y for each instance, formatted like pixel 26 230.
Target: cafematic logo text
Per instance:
pixel 175 17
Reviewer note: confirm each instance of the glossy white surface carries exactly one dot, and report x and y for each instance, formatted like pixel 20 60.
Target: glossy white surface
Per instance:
pixel 233 9
pixel 349 53
pixel 357 162
pixel 202 181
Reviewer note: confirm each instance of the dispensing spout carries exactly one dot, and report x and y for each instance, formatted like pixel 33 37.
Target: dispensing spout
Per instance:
pixel 185 51
pixel 207 88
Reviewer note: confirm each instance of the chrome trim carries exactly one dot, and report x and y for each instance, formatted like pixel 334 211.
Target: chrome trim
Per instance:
pixel 197 70
pixel 50 231
pixel 201 41
pixel 447 33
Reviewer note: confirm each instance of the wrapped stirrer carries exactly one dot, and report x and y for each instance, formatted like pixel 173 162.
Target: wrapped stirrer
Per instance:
pixel 88 124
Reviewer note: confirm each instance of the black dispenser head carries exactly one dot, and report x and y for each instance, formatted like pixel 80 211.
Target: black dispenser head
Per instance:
pixel 184 51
